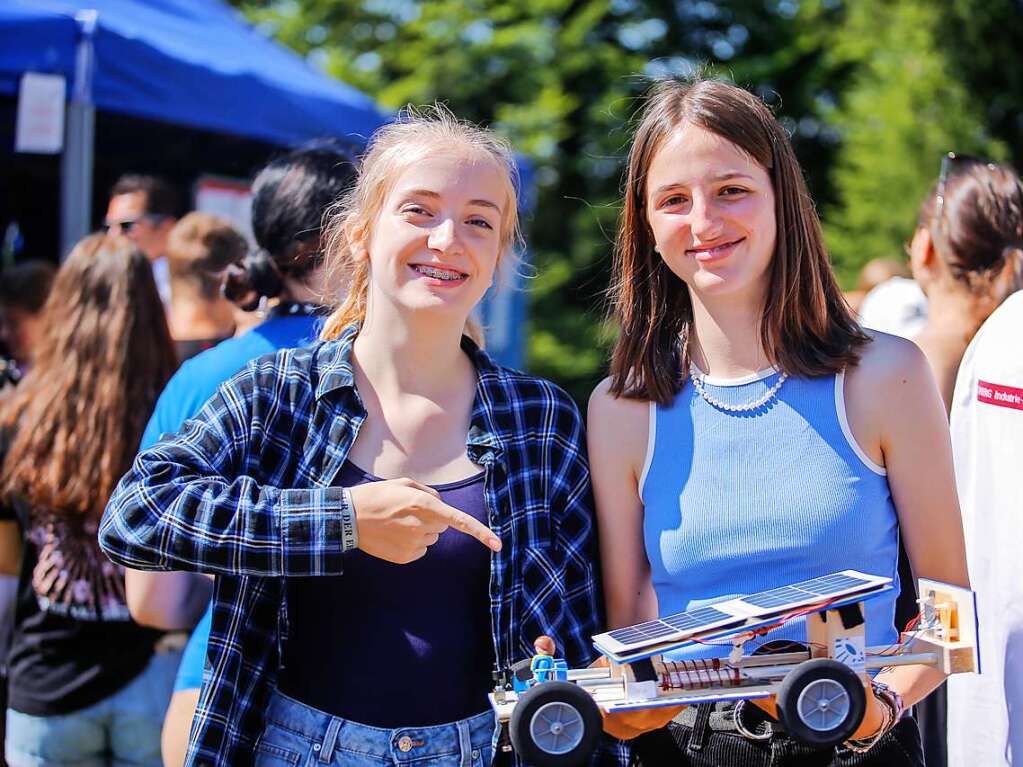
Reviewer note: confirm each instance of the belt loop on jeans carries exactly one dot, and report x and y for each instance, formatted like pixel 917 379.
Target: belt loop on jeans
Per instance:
pixel 464 743
pixel 700 727
pixel 330 740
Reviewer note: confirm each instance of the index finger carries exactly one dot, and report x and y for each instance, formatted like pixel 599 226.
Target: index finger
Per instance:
pixel 467 524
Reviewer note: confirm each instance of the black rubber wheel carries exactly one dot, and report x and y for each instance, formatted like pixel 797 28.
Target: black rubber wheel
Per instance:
pixel 821 702
pixel 555 724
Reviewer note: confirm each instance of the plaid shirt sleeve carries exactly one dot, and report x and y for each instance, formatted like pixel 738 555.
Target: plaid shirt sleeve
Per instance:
pixel 572 511
pixel 176 509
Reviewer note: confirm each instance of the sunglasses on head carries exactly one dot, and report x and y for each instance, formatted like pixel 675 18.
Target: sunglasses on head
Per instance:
pixel 949 162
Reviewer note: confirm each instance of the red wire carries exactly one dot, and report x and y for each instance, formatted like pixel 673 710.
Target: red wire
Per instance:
pixel 763 630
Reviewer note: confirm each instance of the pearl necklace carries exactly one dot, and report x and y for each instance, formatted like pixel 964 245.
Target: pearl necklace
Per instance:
pixel 758 403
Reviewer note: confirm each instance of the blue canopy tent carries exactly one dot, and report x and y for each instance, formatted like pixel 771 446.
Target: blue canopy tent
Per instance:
pixel 186 62
pixel 191 63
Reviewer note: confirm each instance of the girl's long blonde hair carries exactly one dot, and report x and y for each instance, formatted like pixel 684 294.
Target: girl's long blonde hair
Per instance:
pixel 415 135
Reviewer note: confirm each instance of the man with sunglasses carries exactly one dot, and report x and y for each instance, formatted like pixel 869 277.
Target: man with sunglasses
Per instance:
pixel 144 209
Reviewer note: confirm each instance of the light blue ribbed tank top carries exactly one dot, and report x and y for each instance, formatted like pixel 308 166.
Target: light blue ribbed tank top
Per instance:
pixel 740 503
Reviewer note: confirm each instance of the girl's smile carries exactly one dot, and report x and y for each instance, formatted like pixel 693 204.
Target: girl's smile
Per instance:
pixel 708 254
pixel 439 275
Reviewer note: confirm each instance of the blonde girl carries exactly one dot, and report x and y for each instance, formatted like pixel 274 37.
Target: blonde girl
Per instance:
pixel 389 514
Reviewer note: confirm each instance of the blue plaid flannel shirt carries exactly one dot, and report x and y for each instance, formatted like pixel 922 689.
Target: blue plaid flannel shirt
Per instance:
pixel 246 491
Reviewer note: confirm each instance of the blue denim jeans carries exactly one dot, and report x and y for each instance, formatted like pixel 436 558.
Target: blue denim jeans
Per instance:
pixel 297 735
pixel 122 730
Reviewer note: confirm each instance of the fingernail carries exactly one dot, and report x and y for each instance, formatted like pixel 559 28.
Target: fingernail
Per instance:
pixel 495 544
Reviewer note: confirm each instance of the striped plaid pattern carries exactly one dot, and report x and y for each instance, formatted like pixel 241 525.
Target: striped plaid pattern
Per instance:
pixel 281 429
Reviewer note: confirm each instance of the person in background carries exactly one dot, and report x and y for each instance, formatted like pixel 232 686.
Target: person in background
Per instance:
pixel 965 255
pixel 200 248
pixel 144 209
pixel 873 273
pixel 897 306
pixel 985 711
pixel 87 685
pixel 289 198
pixel 24 288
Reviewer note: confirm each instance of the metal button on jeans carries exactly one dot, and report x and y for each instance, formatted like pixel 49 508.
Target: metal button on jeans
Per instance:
pixel 405 744
pixel 476 754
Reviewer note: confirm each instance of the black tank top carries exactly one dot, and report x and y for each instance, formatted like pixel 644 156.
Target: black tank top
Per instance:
pixel 393 645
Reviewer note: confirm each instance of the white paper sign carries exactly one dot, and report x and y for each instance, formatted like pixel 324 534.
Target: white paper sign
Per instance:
pixel 231 199
pixel 40 123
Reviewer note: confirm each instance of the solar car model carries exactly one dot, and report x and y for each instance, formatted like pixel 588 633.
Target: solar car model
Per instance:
pixel 554 713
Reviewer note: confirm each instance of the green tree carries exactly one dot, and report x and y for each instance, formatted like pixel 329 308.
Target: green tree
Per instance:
pixel 560 78
pixel 905 106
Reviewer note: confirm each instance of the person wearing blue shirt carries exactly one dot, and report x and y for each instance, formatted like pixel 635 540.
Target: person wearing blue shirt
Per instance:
pixel 290 196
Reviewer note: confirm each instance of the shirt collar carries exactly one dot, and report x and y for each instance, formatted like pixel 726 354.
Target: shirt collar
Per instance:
pixel 336 370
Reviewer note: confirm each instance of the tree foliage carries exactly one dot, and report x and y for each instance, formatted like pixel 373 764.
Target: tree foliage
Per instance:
pixel 871 91
pixel 903 109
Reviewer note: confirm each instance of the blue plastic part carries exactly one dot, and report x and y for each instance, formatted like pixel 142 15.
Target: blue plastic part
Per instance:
pixel 545 669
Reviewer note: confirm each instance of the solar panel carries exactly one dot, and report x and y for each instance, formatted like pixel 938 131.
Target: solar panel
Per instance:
pixel 776 597
pixel 829 584
pixel 730 613
pixel 808 592
pixel 694 618
pixel 672 626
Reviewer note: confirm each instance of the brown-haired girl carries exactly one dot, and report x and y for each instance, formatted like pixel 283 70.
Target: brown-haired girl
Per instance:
pixel 85 686
pixel 966 253
pixel 750 434
pixel 389 514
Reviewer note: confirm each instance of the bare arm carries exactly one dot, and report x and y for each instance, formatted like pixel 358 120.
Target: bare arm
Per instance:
pixel 896 410
pixel 170 601
pixel 616 440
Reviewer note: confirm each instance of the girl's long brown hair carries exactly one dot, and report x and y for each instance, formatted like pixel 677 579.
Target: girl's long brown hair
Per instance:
pixel 78 415
pixel 806 328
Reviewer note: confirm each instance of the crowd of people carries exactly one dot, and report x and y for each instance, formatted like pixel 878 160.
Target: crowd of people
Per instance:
pixel 274 503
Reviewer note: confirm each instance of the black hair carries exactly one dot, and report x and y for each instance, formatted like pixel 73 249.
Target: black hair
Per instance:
pixel 26 285
pixel 162 199
pixel 289 198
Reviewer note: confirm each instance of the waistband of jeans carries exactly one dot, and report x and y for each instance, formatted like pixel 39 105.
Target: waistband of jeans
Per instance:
pixel 302 719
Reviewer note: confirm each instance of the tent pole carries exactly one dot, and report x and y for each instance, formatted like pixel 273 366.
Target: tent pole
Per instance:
pixel 79 143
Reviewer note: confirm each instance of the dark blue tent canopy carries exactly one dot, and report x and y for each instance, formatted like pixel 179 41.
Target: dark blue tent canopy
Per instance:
pixel 187 62
pixel 195 63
